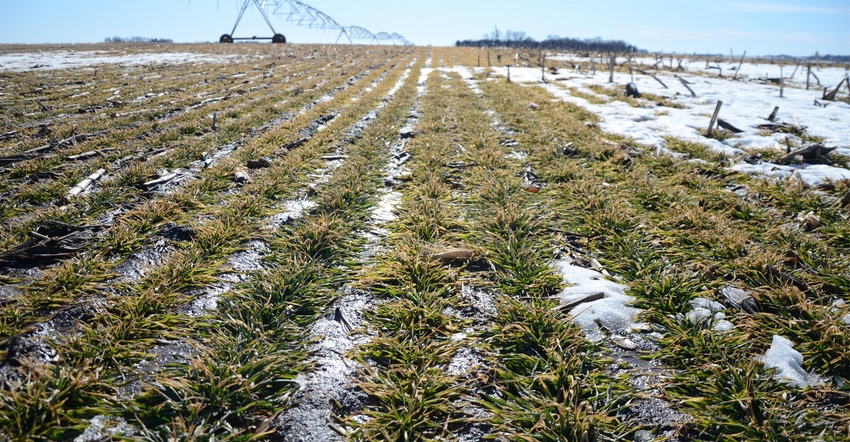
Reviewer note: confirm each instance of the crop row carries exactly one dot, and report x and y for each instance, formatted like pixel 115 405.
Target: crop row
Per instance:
pixel 371 244
pixel 98 365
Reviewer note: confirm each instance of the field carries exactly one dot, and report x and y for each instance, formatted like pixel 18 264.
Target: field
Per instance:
pixel 295 242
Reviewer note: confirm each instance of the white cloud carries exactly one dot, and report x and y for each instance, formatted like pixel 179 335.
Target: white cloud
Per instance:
pixel 755 7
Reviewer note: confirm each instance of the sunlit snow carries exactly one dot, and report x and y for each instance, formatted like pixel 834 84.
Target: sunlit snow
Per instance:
pixel 612 311
pixel 746 104
pixel 788 363
pixel 75 59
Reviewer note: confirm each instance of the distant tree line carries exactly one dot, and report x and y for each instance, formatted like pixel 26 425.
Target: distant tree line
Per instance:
pixel 136 39
pixel 518 39
pixel 833 58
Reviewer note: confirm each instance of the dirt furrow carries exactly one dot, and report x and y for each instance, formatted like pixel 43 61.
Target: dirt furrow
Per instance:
pixel 327 392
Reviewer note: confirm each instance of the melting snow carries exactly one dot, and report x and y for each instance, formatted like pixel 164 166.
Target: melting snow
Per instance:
pixel 707 310
pixel 293 209
pixel 76 59
pixel 521 156
pixel 384 211
pixel 746 104
pixel 788 363
pixel 811 174
pixel 612 311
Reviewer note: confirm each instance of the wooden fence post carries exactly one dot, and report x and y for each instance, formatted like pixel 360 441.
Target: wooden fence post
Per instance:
pixel 714 118
pixel 685 84
pixel 808 73
pixel 612 62
pixel 739 66
pixel 543 66
pixel 795 70
pixel 773 114
pixel 781 83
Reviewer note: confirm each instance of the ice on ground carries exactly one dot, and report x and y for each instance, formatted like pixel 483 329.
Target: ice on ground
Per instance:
pixel 722 324
pixel 838 304
pixel 76 59
pixel 612 311
pixel 788 363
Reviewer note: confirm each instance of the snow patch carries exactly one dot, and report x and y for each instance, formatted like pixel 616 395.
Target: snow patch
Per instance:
pixel 706 310
pixel 76 59
pixel 612 311
pixel 520 156
pixel 293 209
pixel 746 104
pixel 384 211
pixel 811 174
pixel 788 363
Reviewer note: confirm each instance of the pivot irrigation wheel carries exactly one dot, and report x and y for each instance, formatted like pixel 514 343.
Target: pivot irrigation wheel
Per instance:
pixel 278 38
pixel 225 38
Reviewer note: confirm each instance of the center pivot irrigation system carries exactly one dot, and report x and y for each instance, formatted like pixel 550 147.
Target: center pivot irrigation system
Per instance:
pixel 303 14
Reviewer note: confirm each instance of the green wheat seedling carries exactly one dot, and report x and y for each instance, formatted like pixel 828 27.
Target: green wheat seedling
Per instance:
pixel 413 395
pixel 158 292
pixel 65 282
pixel 279 297
pixel 711 236
pixel 530 339
pixel 52 402
pixel 223 397
pixel 670 227
pixel 415 403
pixel 431 217
pixel 668 291
pixel 409 273
pixel 742 402
pixel 164 161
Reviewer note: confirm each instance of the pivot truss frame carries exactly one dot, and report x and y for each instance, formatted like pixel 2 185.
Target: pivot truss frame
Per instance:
pixel 302 14
pixel 229 38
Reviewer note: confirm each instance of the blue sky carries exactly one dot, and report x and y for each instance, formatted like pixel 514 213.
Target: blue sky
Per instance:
pixel 761 27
